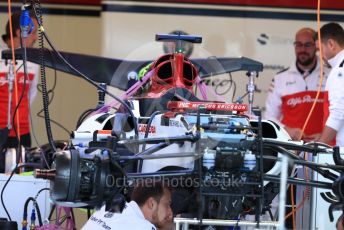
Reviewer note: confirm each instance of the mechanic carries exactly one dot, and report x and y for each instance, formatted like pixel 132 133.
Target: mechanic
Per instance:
pixel 149 209
pixel 332 43
pixel 291 96
pixel 8 138
pixel 292 91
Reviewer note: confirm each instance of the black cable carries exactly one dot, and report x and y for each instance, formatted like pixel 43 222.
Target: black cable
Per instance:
pixel 149 123
pixel 39 114
pixel 88 213
pixel 234 86
pixel 53 207
pixel 3 189
pixel 18 153
pixel 37 144
pixel 84 115
pixel 33 132
pixel 26 204
pixel 19 68
pixel 270 214
pixel 51 92
pixel 113 165
pixel 224 82
pixel 35 205
pixel 2 195
pixel 237 223
pixel 39 192
pixel 232 83
pixel 39 215
pixel 126 106
pixel 45 96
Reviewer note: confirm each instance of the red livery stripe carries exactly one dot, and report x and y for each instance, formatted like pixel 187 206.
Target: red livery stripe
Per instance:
pixel 325 4
pixel 77 2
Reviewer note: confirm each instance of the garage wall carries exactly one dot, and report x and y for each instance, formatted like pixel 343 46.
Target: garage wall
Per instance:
pixel 260 30
pixel 72 28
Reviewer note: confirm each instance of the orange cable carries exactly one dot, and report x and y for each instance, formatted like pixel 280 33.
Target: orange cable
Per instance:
pixel 305 195
pixel 311 111
pixel 14 66
pixel 321 73
pixel 293 206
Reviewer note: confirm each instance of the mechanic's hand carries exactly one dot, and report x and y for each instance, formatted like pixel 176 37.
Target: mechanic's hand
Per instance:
pixel 313 137
pixel 294 133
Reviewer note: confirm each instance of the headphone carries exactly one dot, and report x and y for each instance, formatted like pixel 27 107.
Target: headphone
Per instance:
pixel 26 23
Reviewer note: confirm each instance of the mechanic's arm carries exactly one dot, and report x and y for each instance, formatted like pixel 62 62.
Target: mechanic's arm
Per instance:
pixel 335 121
pixel 327 135
pixel 273 103
pixel 294 133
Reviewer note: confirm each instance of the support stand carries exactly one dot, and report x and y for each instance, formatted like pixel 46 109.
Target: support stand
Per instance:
pixel 10 79
pixel 250 87
pixel 283 192
pixel 183 223
pixel 68 220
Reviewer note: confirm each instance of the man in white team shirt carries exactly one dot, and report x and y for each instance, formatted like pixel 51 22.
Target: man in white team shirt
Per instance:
pixel 292 91
pixel 149 209
pixel 28 91
pixel 332 42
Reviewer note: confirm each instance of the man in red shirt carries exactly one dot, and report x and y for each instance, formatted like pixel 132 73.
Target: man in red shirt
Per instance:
pixel 292 94
pixel 293 90
pixel 26 91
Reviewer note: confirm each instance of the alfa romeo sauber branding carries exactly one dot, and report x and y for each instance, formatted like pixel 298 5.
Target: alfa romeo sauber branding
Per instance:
pixel 20 79
pixel 300 100
pixel 142 128
pixel 208 106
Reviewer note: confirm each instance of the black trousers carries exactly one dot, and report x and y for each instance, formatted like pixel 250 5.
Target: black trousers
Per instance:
pixel 12 142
